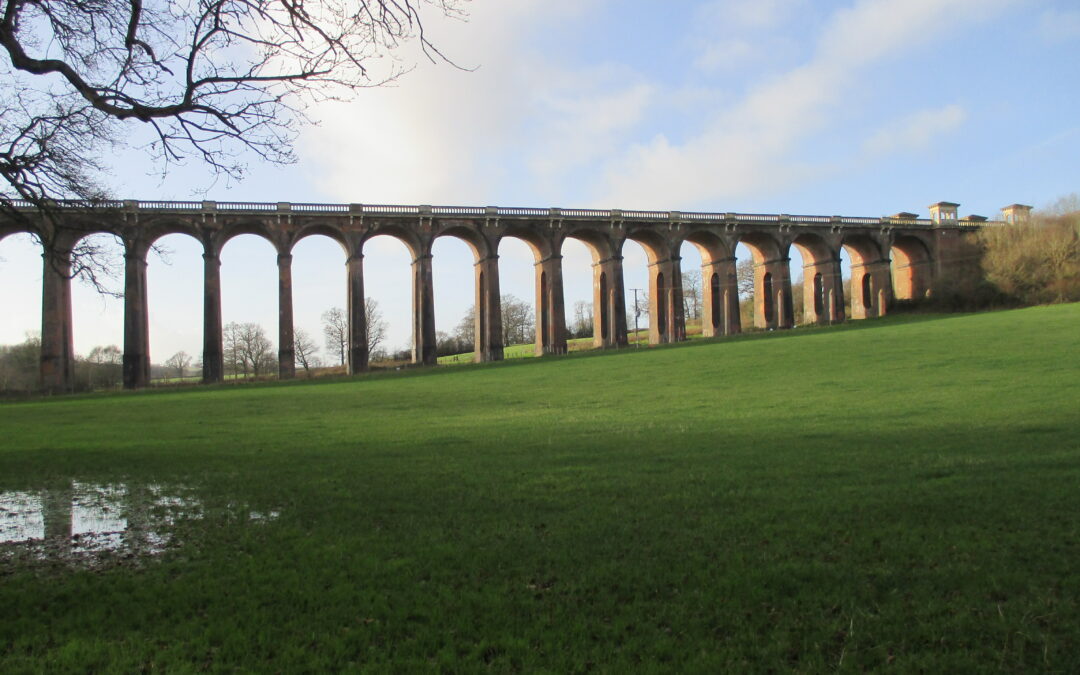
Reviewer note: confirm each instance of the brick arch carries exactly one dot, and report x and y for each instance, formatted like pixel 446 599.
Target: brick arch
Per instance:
pixel 609 292
pixel 911 267
pixel 543 246
pixel 712 247
pixel 814 249
pixel 407 236
pixel 27 228
pixel 598 242
pixel 719 288
pixel 862 248
pixel 216 243
pixel 823 288
pixel 658 248
pixel 474 239
pixel 666 320
pixel 155 228
pixel 318 229
pixel 871 283
pixel 773 303
pixel 763 247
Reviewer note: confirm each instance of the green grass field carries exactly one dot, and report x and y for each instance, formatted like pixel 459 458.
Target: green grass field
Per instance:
pixel 902 492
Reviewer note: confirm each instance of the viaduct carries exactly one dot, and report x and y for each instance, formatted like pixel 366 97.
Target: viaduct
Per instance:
pixel 894 257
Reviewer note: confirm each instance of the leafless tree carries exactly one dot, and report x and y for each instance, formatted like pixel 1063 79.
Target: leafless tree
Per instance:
pixel 1038 261
pixel 583 319
pixel 744 273
pixel 230 339
pixel 691 288
pixel 304 348
pixel 637 315
pixel 336 329
pixel 376 327
pixel 179 363
pixel 519 323
pixel 256 350
pixel 247 349
pixel 465 331
pixel 212 80
pixel 336 332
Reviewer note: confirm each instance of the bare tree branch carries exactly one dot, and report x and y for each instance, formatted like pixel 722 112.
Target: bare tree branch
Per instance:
pixel 209 79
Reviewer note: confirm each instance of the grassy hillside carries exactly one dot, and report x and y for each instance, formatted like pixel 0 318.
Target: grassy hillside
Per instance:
pixel 902 492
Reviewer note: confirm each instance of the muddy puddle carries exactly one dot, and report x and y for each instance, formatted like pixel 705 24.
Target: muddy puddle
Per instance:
pixel 95 524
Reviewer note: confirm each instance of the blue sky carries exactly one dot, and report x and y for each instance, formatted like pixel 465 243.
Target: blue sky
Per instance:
pixel 851 107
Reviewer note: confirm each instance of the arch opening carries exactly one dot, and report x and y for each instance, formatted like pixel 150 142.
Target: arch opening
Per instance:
pixel 388 282
pixel 818 284
pixel 519 288
pixel 20 305
pixel 580 257
pixel 174 298
pixel 98 313
pixel 861 262
pixel 319 287
pixel 249 307
pixel 911 269
pixel 455 286
pixel 771 304
pixel 636 290
pixel 693 279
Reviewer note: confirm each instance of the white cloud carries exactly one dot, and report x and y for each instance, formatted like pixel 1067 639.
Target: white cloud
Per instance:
pixel 748 148
pixel 583 124
pixel 442 135
pixel 736 15
pixel 727 54
pixel 915 132
pixel 731 35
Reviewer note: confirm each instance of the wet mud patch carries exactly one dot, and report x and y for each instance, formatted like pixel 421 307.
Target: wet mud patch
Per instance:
pixel 101 525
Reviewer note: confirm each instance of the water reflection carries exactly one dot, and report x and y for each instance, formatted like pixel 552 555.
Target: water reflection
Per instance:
pixel 83 521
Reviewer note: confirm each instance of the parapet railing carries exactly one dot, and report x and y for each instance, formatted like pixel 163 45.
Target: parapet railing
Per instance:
pixel 492 211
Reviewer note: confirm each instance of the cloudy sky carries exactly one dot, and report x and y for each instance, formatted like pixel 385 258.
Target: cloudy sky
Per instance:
pixel 854 107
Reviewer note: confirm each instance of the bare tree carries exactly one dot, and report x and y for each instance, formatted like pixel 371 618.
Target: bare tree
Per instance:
pixel 744 273
pixel 583 319
pixel 336 329
pixel 256 350
pixel 247 349
pixel 376 327
pixel 210 80
pixel 1038 261
pixel 691 287
pixel 465 331
pixel 179 363
pixel 336 332
pixel 304 348
pixel 519 324
pixel 230 338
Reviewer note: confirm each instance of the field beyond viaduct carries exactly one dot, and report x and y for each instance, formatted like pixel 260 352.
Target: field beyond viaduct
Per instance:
pixel 903 492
